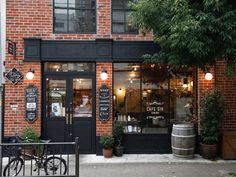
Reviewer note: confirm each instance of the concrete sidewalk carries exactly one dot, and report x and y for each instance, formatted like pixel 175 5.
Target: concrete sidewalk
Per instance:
pixel 146 158
pixel 154 165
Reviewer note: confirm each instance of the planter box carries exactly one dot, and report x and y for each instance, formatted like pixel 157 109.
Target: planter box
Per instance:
pixel 228 145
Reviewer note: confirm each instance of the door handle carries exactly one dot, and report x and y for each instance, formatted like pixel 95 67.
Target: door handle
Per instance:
pixel 70 120
pixel 66 119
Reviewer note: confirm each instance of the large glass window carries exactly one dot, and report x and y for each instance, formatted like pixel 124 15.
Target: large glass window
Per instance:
pixel 120 17
pixel 75 16
pixel 149 97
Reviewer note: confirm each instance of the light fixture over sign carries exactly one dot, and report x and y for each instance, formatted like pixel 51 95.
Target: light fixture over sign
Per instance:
pixel 104 75
pixel 30 74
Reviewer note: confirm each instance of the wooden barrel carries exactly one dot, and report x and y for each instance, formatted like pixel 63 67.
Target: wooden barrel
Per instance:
pixel 183 140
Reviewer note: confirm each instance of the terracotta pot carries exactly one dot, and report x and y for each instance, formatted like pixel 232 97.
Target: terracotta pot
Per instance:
pixel 208 151
pixel 107 153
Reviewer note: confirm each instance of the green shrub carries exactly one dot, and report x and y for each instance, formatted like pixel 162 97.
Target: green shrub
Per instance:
pixel 118 132
pixel 213 113
pixel 29 135
pixel 107 141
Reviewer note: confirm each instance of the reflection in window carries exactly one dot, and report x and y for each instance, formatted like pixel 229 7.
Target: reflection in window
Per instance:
pixel 55 97
pixel 149 97
pixel 82 97
pixel 120 17
pixel 75 16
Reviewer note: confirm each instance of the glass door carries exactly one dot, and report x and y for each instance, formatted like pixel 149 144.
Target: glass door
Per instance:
pixel 70 110
pixel 83 109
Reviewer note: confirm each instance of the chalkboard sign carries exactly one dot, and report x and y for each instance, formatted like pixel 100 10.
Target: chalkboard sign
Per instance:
pixel 31 97
pixel 104 103
pixel 14 76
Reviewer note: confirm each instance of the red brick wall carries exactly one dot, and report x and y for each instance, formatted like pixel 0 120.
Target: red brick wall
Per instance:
pixel 226 86
pixel 27 18
pixel 14 120
pixel 103 128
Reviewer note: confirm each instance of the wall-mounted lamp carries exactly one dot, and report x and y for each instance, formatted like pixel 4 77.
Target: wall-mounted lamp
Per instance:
pixel 208 75
pixel 185 83
pixel 120 90
pixel 104 75
pixel 30 74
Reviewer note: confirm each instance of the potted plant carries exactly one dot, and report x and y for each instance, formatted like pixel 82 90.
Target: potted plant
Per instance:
pixel 107 142
pixel 213 113
pixel 118 132
pixel 29 135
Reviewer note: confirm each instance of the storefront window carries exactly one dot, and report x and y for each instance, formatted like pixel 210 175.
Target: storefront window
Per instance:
pixel 148 98
pixel 68 67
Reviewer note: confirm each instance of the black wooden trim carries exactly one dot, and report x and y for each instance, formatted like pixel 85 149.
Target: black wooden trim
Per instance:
pixel 106 50
pixel 32 49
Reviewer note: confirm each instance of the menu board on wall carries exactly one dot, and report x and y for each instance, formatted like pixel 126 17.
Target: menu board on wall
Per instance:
pixel 104 103
pixel 31 96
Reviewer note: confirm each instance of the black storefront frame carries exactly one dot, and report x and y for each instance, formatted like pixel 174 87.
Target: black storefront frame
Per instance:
pixel 71 75
pixel 98 50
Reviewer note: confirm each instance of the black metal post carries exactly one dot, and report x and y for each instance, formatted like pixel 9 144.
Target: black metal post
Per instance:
pixel 77 156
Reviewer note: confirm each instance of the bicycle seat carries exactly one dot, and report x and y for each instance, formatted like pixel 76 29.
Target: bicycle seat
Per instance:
pixel 45 141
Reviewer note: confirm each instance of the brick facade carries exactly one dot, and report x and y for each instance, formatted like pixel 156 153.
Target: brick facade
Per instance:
pixel 27 18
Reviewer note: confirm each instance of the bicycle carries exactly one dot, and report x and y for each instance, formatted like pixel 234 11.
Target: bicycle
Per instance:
pixel 51 164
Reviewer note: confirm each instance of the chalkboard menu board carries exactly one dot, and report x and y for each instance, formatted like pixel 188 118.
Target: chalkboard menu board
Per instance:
pixel 104 103
pixel 31 96
pixel 14 75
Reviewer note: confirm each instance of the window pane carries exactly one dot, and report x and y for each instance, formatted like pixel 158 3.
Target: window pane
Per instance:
pixel 128 26
pixel 118 28
pixel 60 18
pixel 68 67
pixel 82 97
pixel 118 16
pixel 181 86
pixel 127 107
pixel 155 99
pixel 61 3
pixel 87 4
pixel 118 4
pixel 55 97
pixel 82 21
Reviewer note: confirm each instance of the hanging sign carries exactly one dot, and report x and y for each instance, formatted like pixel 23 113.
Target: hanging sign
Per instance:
pixel 31 97
pixel 14 76
pixel 104 103
pixel 12 48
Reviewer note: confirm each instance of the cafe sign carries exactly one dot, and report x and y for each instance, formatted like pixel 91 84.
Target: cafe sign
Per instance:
pixel 104 103
pixel 154 109
pixel 31 97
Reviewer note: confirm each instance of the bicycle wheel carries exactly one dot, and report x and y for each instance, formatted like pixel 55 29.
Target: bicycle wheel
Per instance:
pixel 13 168
pixel 55 165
